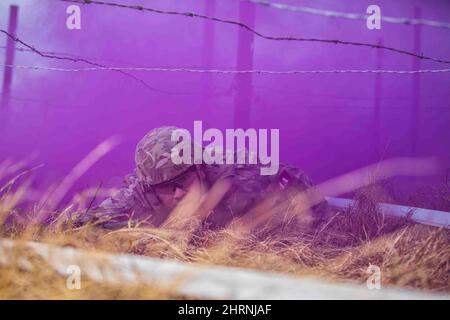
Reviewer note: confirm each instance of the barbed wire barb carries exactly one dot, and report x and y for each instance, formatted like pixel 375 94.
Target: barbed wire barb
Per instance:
pixel 348 15
pixel 222 71
pixel 74 59
pixel 254 31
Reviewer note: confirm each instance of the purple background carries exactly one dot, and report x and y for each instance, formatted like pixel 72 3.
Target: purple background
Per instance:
pixel 326 121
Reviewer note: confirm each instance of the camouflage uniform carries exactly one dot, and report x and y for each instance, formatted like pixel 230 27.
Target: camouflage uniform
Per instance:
pixel 136 201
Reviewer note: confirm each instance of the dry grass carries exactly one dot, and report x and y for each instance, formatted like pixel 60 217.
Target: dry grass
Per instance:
pixel 340 249
pixel 44 283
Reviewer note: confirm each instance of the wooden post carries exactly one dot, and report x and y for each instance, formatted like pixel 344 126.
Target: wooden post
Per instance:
pixel 415 123
pixel 377 105
pixel 208 54
pixel 243 82
pixel 10 49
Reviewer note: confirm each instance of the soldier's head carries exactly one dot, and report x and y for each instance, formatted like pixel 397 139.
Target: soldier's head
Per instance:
pixel 156 170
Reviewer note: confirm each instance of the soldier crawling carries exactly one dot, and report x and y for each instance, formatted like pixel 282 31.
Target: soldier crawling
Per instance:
pixel 160 193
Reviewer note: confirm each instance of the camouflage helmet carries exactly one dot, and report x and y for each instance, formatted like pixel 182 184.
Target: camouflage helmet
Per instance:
pixel 153 161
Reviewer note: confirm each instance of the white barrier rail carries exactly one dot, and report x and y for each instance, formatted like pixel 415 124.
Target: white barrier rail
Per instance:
pixel 420 215
pixel 211 282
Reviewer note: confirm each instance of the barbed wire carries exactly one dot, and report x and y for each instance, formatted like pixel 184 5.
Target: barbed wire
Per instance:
pixel 65 54
pixel 222 71
pixel 257 33
pixel 47 52
pixel 171 92
pixel 74 59
pixel 347 15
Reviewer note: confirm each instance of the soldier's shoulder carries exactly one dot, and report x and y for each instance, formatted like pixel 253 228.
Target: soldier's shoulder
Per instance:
pixel 137 192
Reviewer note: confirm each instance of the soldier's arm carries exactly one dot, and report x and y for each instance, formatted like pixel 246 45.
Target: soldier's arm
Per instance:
pixel 118 210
